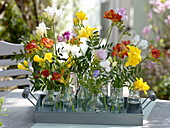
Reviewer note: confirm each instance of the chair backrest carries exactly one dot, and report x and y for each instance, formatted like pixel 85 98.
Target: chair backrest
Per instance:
pixel 7 49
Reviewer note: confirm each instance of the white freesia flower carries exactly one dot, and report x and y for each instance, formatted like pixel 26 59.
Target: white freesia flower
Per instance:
pixel 52 13
pixel 140 43
pixel 105 64
pixel 143 44
pixel 136 40
pixel 41 30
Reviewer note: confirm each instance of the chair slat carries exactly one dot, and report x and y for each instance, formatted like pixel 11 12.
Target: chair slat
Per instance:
pixel 5 62
pixel 15 82
pixel 14 72
pixel 9 48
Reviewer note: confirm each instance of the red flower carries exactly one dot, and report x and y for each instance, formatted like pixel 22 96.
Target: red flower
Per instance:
pixel 155 53
pixel 112 16
pixel 58 77
pixel 120 49
pixel 31 46
pixel 45 72
pixel 47 42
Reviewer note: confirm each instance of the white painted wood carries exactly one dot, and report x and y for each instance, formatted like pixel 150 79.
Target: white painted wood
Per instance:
pixel 14 72
pixel 5 62
pixel 15 82
pixel 8 48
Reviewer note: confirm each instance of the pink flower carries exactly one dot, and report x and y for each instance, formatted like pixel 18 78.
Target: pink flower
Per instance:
pixel 149 16
pixel 167 4
pixel 167 21
pixel 146 30
pixel 122 12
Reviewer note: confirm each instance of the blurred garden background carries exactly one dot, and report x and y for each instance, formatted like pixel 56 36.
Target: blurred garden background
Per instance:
pixel 148 18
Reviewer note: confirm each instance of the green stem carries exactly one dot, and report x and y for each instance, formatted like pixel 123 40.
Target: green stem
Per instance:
pixel 106 33
pixel 109 35
pixel 120 37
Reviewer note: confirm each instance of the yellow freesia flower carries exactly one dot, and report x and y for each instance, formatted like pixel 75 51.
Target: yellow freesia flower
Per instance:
pixel 81 15
pixel 86 32
pixel 21 66
pixel 134 56
pixel 76 21
pixel 25 63
pixel 140 85
pixel 36 58
pixel 48 56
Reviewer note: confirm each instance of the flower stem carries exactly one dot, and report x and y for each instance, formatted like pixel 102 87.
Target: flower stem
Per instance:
pixel 109 35
pixel 105 33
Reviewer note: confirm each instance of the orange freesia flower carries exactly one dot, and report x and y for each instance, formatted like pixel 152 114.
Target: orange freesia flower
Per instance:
pixel 121 49
pixel 48 43
pixel 111 15
pixel 58 77
pixel 155 52
pixel 31 46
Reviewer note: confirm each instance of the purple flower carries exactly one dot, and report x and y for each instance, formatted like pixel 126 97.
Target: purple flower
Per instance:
pixel 100 54
pixel 67 35
pixel 146 30
pixel 96 73
pixel 122 12
pixel 167 21
pixel 60 39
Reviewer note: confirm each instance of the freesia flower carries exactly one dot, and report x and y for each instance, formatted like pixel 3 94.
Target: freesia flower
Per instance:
pixel 58 77
pixel 31 46
pixel 122 12
pixel 48 43
pixel 149 15
pixel 96 73
pixel 48 56
pixel 52 13
pixel 120 49
pixel 105 64
pixel 155 53
pixel 42 30
pixel 21 66
pixel 86 32
pixel 140 43
pixel 111 15
pixel 146 30
pixel 26 63
pixel 140 85
pixel 167 21
pixel 45 72
pixel 100 54
pixel 81 16
pixel 134 56
pixel 36 58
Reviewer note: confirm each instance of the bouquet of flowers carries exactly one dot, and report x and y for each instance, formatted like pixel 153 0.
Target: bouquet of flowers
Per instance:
pixel 55 58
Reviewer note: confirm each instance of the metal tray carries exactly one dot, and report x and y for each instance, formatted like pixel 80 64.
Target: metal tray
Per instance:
pixel 48 116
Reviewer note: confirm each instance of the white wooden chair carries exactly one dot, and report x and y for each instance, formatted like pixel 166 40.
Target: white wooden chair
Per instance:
pixel 8 49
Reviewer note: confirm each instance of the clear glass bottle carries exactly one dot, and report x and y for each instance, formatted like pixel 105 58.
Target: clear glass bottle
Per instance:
pixel 133 102
pixel 68 100
pixel 59 102
pixel 82 98
pixel 116 101
pixel 95 105
pixel 48 101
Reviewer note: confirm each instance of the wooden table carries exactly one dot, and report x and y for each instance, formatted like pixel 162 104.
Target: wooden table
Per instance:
pixel 20 114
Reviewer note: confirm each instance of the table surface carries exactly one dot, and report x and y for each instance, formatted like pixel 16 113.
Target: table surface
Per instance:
pixel 20 114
